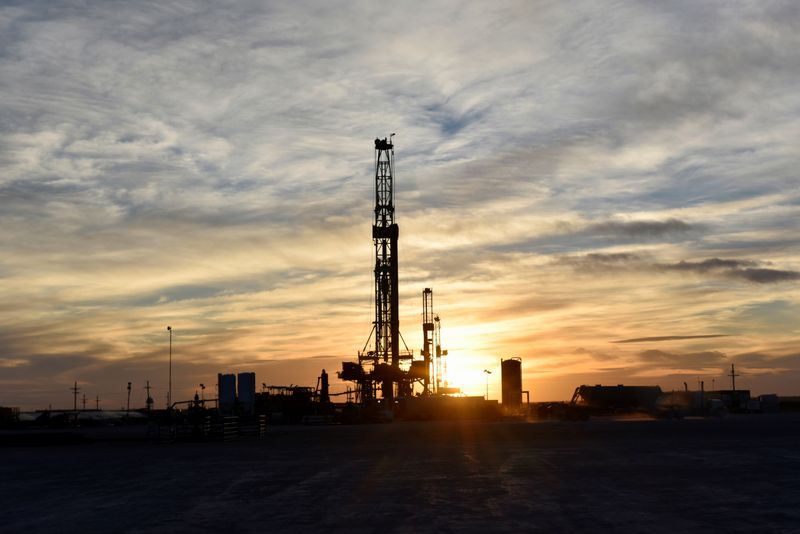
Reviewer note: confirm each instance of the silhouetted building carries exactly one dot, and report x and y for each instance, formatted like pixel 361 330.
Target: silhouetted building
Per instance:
pixel 618 398
pixel 733 400
pixel 8 415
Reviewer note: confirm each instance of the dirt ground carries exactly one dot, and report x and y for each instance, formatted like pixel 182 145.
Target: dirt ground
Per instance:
pixel 737 474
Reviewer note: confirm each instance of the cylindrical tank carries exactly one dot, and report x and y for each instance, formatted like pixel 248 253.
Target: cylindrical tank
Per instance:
pixel 511 379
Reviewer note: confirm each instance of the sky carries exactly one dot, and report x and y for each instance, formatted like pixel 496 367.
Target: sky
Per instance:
pixel 607 190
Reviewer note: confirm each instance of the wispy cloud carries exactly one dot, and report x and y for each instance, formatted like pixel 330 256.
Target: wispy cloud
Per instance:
pixel 749 270
pixel 737 269
pixel 666 338
pixel 579 175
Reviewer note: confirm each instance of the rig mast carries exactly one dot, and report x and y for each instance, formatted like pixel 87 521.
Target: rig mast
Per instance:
pixel 380 368
pixel 427 341
pixel 386 369
pixel 441 363
pixel 384 235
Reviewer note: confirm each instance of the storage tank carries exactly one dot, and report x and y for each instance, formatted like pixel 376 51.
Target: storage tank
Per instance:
pixel 511 381
pixel 247 393
pixel 227 393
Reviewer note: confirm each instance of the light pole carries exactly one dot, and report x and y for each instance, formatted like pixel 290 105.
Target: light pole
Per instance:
pixel 203 392
pixel 488 372
pixel 169 392
pixel 128 410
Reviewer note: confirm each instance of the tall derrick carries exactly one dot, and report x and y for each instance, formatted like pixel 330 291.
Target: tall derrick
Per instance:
pixel 384 236
pixel 385 369
pixel 427 341
pixel 380 367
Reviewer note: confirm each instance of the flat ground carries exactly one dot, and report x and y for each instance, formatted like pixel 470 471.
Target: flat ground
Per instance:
pixel 737 474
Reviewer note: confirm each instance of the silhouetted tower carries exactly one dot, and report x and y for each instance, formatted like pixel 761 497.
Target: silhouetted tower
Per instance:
pixel 440 356
pixel 380 368
pixel 427 340
pixel 324 387
pixel 384 236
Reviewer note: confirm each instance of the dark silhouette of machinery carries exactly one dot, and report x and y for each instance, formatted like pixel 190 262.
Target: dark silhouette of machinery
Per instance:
pixel 431 370
pixel 384 368
pixel 605 399
pixel 386 372
pixel 511 382
pixel 428 331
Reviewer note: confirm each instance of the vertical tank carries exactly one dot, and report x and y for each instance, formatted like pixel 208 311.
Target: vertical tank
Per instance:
pixel 227 394
pixel 511 379
pixel 247 392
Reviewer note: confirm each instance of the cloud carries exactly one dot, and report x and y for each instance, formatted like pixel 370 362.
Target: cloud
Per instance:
pixel 567 236
pixel 210 166
pixel 713 264
pixel 607 264
pixel 681 360
pixel 736 269
pixel 766 360
pixel 666 338
pixel 748 270
pixel 643 229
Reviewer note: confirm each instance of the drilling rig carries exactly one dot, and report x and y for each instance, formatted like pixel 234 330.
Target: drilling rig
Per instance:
pixel 383 368
pixel 433 367
pixel 427 341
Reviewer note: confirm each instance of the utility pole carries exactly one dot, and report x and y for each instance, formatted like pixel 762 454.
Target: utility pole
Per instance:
pixel 733 376
pixel 97 403
pixel 75 389
pixel 128 409
pixel 84 402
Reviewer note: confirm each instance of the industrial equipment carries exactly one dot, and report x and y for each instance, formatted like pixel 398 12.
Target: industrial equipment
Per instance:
pixel 611 399
pixel 247 393
pixel 226 384
pixel 427 339
pixel 385 367
pixel 511 382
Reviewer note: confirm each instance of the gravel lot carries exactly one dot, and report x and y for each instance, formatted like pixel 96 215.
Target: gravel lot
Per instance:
pixel 737 474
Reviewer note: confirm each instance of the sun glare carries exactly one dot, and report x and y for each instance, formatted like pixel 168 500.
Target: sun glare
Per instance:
pixel 466 371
